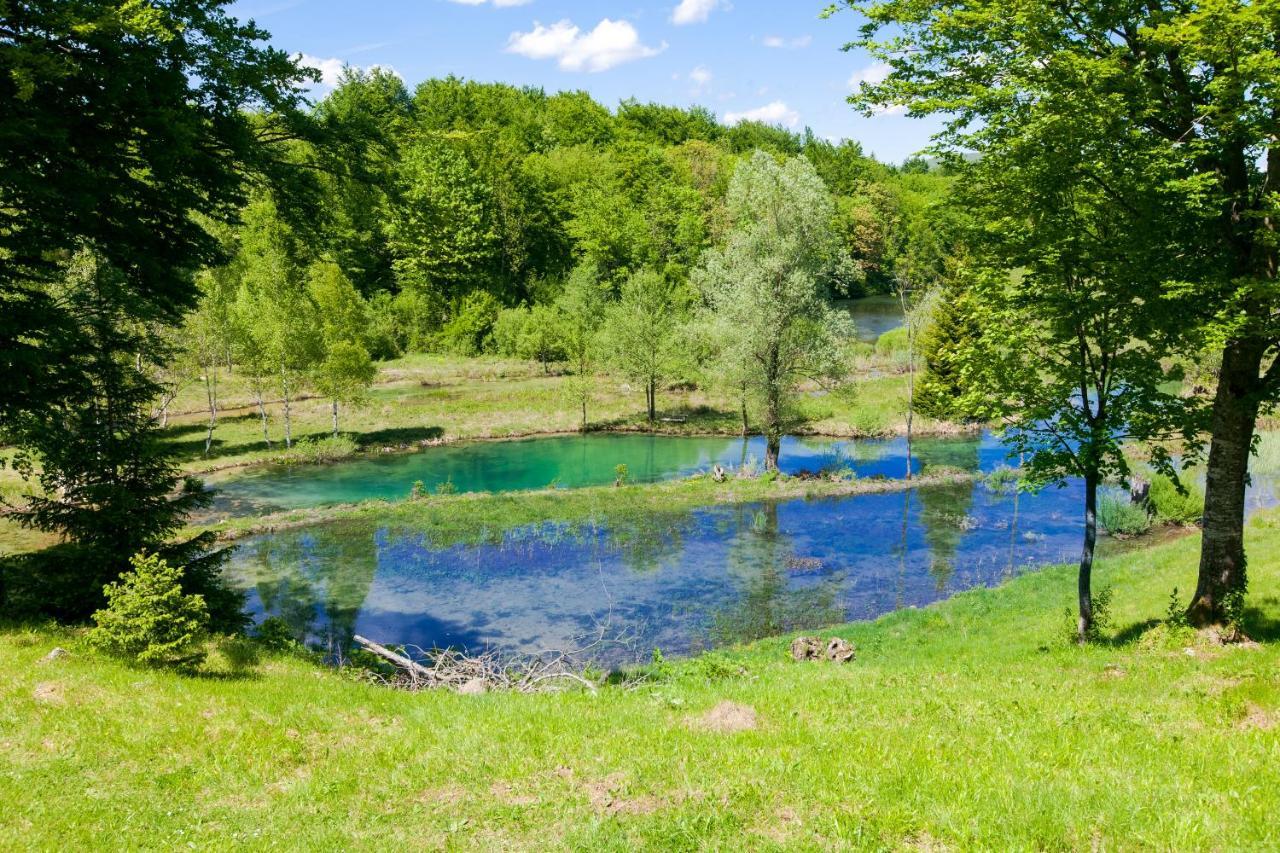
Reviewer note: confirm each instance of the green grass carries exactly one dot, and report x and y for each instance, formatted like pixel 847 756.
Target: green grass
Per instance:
pixel 969 724
pixel 431 397
pixel 476 515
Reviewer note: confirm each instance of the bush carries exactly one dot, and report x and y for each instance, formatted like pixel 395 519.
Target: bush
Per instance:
pixel 893 342
pixel 1173 507
pixel 240 654
pixel 312 451
pixel 275 634
pixel 1120 516
pixel 149 620
pixel 469 330
pixel 508 328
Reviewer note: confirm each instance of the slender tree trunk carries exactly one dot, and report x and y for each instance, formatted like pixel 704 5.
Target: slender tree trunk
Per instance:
pixel 335 418
pixel 652 395
pixel 288 412
pixel 262 413
pixel 1085 580
pixel 1235 415
pixel 745 426
pixel 211 395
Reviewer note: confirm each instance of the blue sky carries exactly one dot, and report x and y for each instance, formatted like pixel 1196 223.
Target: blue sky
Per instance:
pixel 768 59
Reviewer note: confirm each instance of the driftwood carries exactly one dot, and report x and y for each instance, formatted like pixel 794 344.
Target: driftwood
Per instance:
pixel 453 670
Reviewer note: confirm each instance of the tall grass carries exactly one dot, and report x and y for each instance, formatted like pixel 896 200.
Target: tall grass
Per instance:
pixel 1120 516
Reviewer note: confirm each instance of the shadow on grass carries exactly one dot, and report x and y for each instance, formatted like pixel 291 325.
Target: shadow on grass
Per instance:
pixel 1130 634
pixel 397 436
pixel 1262 625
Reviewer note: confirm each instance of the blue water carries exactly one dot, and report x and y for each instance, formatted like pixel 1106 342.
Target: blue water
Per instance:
pixel 682 582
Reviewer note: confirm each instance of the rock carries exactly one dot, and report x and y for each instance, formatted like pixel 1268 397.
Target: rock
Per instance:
pixel 57 654
pixel 474 687
pixel 806 648
pixel 719 474
pixel 839 651
pixel 834 650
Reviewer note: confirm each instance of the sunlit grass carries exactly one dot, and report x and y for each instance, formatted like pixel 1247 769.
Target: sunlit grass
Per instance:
pixel 970 724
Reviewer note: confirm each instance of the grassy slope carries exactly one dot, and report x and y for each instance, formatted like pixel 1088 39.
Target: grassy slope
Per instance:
pixel 969 723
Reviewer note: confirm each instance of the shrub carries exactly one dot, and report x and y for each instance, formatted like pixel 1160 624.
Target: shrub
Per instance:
pixel 313 451
pixel 1120 516
pixel 467 333
pixel 240 653
pixel 275 634
pixel 508 328
pixel 149 620
pixel 893 342
pixel 1173 507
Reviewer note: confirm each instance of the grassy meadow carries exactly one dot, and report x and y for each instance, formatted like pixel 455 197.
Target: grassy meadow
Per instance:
pixel 969 724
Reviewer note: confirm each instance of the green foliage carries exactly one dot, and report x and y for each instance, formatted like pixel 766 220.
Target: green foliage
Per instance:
pixel 467 332
pixel 621 474
pixel 1173 506
pixel 893 342
pixel 765 287
pixel 275 634
pixel 241 654
pixel 953 331
pixel 149 620
pixel 125 123
pixel 318 451
pixel 1120 516
pixel 1096 633
pixel 642 332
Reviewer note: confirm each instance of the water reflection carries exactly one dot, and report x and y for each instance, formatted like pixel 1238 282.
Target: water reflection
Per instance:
pixel 678 581
pixel 573 461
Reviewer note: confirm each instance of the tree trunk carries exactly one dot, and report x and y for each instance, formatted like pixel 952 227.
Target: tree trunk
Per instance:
pixel 335 418
pixel 652 397
pixel 262 413
pixel 745 426
pixel 211 394
pixel 1085 580
pixel 1235 415
pixel 288 415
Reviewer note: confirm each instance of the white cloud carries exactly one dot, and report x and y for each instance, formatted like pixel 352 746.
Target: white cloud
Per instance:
pixel 331 68
pixel 610 44
pixel 696 11
pixel 786 43
pixel 870 76
pixel 776 112
pixel 701 76
pixel 499 3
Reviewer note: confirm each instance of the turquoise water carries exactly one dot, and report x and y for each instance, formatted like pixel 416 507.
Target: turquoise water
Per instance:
pixel 580 460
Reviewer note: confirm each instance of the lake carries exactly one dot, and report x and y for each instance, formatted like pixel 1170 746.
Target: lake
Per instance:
pixel 682 582
pixel 575 461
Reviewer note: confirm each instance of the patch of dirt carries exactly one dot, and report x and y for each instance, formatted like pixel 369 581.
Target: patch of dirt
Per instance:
pixel 729 717
pixel 444 795
pixel 1257 719
pixel 50 693
pixel 782 827
pixel 1111 670
pixel 925 843
pixel 505 793
pixel 603 794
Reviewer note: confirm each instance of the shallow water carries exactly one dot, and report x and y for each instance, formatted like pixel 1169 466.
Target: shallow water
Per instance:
pixel 874 315
pixel 581 460
pixel 682 582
